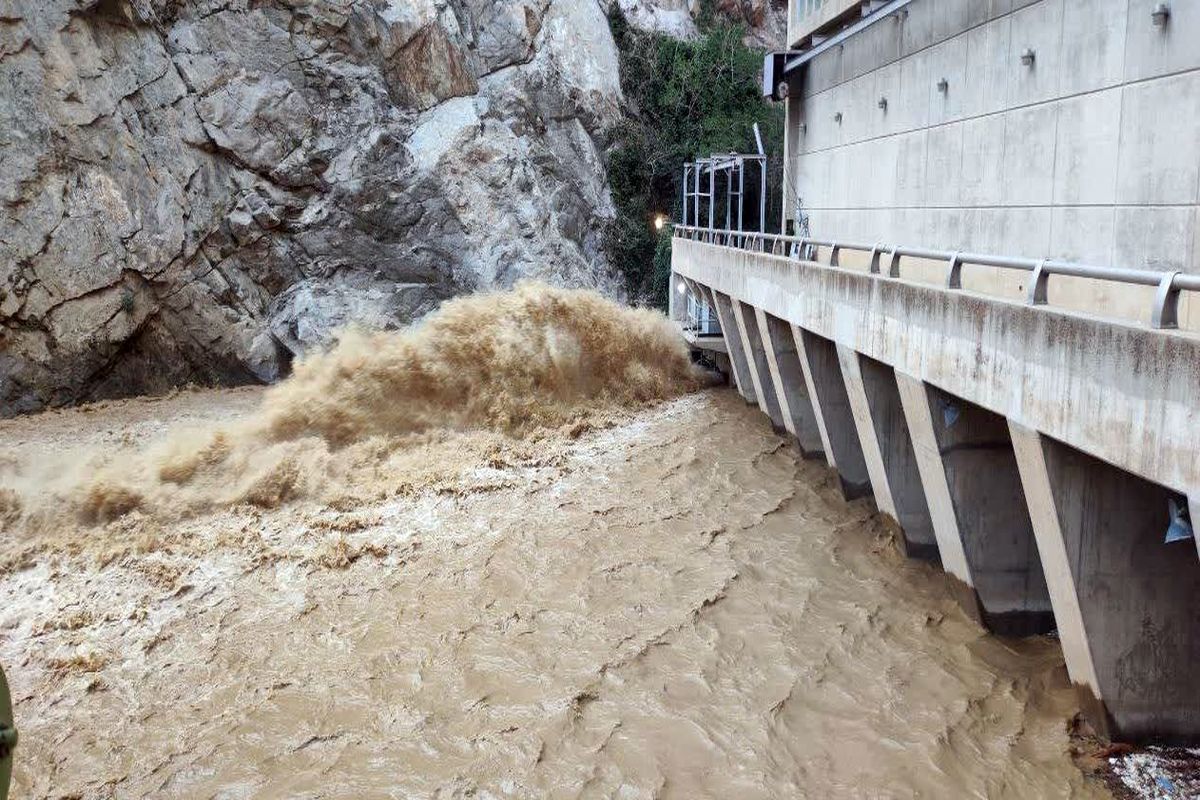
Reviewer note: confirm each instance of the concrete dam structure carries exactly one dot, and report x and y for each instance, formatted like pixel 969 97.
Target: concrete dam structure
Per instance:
pixel 934 330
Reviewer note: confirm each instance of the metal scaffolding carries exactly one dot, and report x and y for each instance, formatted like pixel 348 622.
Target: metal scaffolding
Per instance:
pixel 732 167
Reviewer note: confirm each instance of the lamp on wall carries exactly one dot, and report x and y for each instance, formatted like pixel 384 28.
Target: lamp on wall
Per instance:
pixel 837 117
pixel 1027 57
pixel 943 85
pixel 883 103
pixel 1160 15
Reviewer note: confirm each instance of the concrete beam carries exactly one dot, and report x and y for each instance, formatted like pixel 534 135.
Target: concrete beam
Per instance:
pixel 879 413
pixel 969 471
pixel 856 395
pixel 827 388
pixel 756 358
pixel 676 310
pixel 790 388
pixel 1123 598
pixel 811 385
pixel 733 342
pixel 919 418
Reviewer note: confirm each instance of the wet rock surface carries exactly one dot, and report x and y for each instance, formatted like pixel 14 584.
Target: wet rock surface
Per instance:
pixel 198 191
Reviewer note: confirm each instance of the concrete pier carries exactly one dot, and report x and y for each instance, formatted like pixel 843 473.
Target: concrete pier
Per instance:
pixel 795 404
pixel 756 358
pixel 737 353
pixel 975 454
pixel 1125 601
pixel 823 374
pixel 869 443
pixel 879 413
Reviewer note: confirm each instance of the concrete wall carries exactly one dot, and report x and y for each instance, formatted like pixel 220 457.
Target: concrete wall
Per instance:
pixel 807 16
pixel 1091 154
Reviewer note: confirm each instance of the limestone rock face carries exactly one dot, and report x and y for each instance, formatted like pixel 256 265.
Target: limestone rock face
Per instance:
pixel 199 190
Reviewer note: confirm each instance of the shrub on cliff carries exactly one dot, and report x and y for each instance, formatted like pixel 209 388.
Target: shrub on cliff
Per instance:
pixel 687 99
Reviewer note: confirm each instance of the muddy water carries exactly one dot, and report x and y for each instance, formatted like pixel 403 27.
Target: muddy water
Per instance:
pixel 671 606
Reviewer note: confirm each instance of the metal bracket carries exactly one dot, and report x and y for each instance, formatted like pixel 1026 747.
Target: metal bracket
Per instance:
pixel 1166 303
pixel 954 272
pixel 835 249
pixel 875 252
pixel 1037 284
pixel 894 264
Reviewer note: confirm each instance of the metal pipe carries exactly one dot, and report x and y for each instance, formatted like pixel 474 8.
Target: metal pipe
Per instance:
pixel 685 194
pixel 762 197
pixel 741 193
pixel 842 35
pixel 712 191
pixel 728 200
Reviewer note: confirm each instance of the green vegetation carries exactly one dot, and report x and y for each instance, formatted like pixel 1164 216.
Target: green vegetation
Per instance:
pixel 687 100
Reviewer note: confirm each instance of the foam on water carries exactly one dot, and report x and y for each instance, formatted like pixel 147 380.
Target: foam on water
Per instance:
pixel 512 363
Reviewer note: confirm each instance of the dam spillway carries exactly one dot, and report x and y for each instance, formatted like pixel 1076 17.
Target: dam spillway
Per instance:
pixel 1038 452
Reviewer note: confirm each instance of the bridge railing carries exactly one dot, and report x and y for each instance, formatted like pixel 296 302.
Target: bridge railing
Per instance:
pixel 1164 313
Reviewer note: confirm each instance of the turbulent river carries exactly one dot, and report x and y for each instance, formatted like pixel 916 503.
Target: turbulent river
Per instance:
pixel 657 599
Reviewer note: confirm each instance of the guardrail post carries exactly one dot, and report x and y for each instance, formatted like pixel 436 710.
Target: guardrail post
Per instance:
pixel 1166 303
pixel 954 272
pixel 874 264
pixel 1038 284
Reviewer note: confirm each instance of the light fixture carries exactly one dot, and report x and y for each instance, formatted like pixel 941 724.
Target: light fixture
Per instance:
pixel 837 117
pixel 943 85
pixel 1160 15
pixel 681 288
pixel 883 103
pixel 659 221
pixel 1027 58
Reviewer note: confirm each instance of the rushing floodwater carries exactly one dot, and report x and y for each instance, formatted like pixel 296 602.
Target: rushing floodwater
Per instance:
pixel 664 604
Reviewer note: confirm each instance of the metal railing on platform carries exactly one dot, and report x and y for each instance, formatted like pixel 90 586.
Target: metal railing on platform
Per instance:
pixel 1164 314
pixel 701 319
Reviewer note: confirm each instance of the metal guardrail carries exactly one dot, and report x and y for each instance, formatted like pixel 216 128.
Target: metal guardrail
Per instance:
pixel 1164 315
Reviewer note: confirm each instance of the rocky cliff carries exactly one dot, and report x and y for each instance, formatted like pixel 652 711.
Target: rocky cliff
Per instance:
pixel 198 190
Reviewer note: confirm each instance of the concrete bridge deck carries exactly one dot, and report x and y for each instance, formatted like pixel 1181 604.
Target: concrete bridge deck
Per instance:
pixel 1036 451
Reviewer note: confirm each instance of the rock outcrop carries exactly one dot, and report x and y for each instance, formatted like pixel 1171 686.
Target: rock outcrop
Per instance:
pixel 199 190
pixel 765 21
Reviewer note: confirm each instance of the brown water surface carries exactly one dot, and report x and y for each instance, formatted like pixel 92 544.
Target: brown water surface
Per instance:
pixel 659 603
